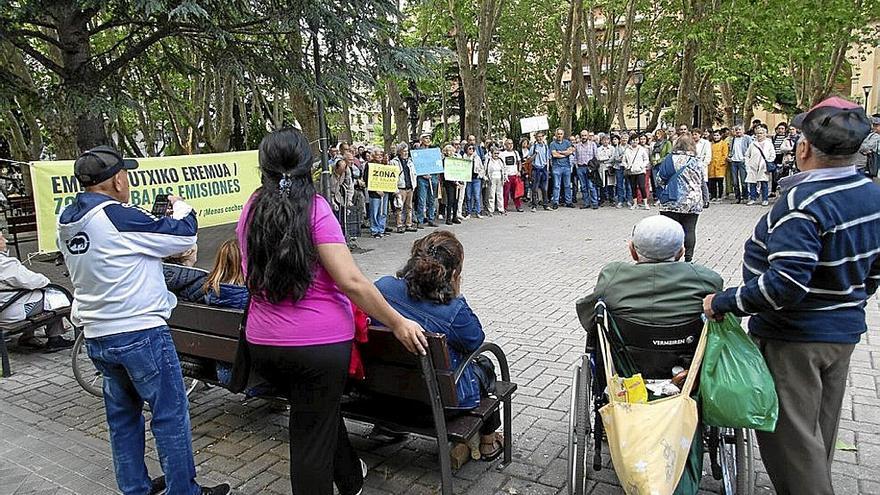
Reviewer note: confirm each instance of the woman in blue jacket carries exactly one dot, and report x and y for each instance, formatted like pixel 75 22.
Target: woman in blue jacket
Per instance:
pixel 428 290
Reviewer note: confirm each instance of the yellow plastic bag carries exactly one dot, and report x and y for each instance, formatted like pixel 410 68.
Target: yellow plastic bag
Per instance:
pixel 650 442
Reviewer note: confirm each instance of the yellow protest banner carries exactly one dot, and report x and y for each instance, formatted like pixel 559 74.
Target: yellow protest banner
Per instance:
pixel 382 177
pixel 216 185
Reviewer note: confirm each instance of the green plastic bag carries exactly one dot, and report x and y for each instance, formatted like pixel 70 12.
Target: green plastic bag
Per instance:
pixel 736 387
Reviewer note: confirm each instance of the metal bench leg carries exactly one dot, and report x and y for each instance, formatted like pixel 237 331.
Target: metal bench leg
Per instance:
pixel 4 356
pixel 439 425
pixel 508 434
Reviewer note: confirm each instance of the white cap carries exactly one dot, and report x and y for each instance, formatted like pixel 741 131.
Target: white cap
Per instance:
pixel 658 238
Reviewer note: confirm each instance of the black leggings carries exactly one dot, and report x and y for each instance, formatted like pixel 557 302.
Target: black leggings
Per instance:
pixel 716 187
pixel 637 182
pixel 450 197
pixel 313 378
pixel 688 222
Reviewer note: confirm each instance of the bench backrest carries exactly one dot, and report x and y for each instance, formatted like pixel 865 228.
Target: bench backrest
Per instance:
pixel 211 332
pixel 21 224
pixel 205 331
pixel 390 369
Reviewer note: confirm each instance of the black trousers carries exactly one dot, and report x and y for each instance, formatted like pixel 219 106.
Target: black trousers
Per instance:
pixel 450 197
pixel 688 222
pixel 637 184
pixel 314 377
pixel 716 187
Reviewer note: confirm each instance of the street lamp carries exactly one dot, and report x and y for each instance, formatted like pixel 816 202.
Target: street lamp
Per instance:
pixel 638 79
pixel 867 89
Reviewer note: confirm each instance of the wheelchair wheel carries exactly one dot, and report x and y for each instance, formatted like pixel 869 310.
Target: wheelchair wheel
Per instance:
pixel 84 371
pixel 735 457
pixel 580 426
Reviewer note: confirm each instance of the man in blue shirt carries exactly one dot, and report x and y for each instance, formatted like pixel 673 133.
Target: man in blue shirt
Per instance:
pixel 560 163
pixel 810 266
pixel 540 154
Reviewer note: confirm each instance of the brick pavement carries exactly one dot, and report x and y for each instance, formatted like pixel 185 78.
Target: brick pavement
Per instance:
pixel 522 273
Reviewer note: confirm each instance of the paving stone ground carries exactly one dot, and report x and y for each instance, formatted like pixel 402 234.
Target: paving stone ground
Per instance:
pixel 522 274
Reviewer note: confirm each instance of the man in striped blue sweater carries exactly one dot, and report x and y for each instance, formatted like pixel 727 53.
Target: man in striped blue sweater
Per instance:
pixel 808 270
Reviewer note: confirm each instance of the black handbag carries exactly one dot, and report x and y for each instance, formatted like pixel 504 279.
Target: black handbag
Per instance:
pixel 241 368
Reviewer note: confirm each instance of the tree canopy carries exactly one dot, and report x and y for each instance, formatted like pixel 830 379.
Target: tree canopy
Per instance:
pixel 188 76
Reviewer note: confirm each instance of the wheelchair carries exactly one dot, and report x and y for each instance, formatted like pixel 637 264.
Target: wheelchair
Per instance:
pixel 654 351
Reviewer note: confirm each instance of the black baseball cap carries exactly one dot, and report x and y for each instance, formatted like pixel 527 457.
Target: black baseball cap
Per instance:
pixel 835 126
pixel 99 164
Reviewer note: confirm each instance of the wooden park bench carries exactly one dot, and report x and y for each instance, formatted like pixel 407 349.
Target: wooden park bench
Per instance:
pixel 402 391
pixel 21 222
pixel 30 323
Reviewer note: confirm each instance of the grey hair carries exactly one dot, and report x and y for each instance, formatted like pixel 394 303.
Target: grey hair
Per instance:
pixel 402 146
pixel 833 161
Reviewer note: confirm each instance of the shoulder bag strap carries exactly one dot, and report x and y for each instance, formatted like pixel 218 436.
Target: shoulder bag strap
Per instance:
pixel 694 370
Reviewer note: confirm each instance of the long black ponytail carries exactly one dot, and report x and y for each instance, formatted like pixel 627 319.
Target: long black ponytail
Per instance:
pixel 281 253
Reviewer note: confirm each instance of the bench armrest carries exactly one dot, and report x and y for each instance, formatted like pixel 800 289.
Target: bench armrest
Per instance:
pixel 19 293
pixel 491 349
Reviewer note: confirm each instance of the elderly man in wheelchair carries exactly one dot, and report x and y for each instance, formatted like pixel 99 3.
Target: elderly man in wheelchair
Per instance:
pixel 651 314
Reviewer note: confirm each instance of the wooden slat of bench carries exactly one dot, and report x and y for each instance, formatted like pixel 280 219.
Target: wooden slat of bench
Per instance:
pixel 383 346
pixel 35 321
pixel 204 345
pixel 460 428
pixel 405 382
pixel 489 405
pixel 208 320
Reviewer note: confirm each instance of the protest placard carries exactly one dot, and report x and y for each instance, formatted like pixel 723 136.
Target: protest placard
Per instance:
pixel 216 185
pixel 534 124
pixel 457 169
pixel 381 178
pixel 427 161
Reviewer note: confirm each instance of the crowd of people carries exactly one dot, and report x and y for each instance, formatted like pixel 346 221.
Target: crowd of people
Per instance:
pixel 595 169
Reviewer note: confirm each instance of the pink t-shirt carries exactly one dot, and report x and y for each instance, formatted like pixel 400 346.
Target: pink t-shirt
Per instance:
pixel 322 316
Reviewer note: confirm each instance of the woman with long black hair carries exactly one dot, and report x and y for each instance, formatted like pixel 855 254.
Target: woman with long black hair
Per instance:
pixel 300 325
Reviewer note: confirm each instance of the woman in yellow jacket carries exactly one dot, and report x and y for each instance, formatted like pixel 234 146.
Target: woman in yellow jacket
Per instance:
pixel 717 167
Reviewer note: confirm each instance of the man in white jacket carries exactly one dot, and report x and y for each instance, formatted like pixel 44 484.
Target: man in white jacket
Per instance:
pixel 114 253
pixel 15 277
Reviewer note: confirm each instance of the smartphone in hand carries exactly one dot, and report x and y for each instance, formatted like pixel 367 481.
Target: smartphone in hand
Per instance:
pixel 160 205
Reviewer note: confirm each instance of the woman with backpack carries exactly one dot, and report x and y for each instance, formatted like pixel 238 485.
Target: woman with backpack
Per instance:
pixel 680 178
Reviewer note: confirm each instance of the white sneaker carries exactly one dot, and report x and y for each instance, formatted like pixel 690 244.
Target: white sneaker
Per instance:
pixel 647 207
pixel 364 472
pixel 751 202
pixel 479 216
pixel 765 203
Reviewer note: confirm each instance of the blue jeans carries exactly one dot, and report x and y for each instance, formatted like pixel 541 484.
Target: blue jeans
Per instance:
pixel 624 191
pixel 561 181
pixel 753 190
pixel 589 193
pixel 136 367
pixel 426 198
pixel 473 199
pixel 738 172
pixel 378 214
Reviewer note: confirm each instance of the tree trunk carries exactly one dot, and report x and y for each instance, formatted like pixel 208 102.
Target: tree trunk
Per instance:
pixel 401 116
pixel 473 76
pixel 749 104
pixel 387 138
pixel 561 97
pixel 728 104
pixel 80 83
